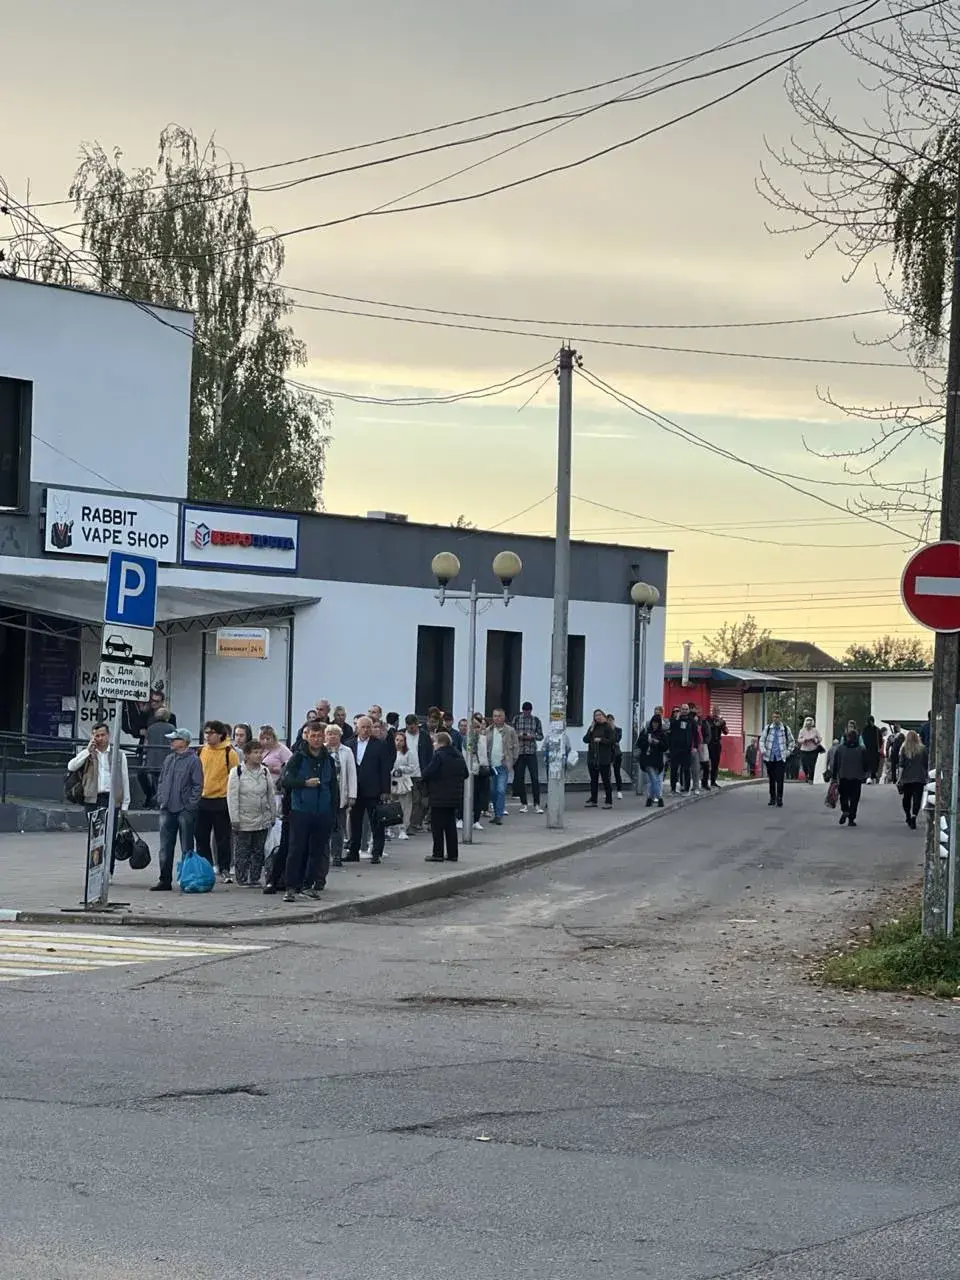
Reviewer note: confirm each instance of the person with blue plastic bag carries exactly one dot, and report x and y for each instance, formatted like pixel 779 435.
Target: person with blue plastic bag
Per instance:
pixel 178 796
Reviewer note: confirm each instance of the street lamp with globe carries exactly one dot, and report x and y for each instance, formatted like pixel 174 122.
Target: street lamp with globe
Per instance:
pixel 644 596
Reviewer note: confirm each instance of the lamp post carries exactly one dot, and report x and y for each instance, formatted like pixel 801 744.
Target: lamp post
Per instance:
pixel 445 566
pixel 644 596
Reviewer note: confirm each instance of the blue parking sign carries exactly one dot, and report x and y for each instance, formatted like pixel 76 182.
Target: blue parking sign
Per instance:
pixel 131 599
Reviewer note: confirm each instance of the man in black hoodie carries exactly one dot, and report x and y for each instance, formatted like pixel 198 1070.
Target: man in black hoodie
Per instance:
pixel 681 747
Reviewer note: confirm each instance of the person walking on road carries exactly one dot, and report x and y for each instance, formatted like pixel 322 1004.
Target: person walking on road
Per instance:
pixel 651 753
pixel 872 739
pixel 600 740
pixel 178 794
pixel 809 744
pixel 776 744
pixel 445 776
pixel 681 747
pixel 217 758
pixel 529 732
pixel 503 748
pixel 851 769
pixel 311 778
pixel 914 764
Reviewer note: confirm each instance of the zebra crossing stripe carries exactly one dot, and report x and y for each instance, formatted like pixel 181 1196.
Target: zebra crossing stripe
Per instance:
pixel 34 952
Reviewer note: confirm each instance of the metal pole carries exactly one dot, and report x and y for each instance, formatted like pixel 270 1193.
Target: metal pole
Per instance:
pixel 644 623
pixel 637 716
pixel 115 777
pixel 946 653
pixel 952 860
pixel 561 596
pixel 470 783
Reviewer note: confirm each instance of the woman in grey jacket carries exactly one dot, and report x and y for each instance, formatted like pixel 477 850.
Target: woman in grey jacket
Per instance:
pixel 914 763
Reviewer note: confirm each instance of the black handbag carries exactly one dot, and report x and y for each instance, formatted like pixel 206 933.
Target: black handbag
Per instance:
pixel 129 846
pixel 388 814
pixel 73 787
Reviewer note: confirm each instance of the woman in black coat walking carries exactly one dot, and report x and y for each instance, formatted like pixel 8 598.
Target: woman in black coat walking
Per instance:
pixel 601 741
pixel 850 768
pixel 444 777
pixel 914 763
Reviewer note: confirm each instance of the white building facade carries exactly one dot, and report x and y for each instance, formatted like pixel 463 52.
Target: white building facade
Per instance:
pixel 94 437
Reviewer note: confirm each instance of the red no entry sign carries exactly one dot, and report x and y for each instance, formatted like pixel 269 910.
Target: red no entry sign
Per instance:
pixel 930 586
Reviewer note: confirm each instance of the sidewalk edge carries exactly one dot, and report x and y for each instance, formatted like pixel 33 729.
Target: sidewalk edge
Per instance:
pixel 445 886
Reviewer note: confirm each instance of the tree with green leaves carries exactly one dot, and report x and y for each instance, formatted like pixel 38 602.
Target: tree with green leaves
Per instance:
pixel 745 643
pixel 183 235
pixel 890 653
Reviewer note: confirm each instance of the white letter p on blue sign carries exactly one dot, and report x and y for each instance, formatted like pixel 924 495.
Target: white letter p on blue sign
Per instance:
pixel 131 599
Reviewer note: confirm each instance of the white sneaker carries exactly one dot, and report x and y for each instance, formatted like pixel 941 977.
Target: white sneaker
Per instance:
pixel 403 836
pixel 523 808
pixel 619 795
pixel 477 826
pixel 539 810
pixel 459 824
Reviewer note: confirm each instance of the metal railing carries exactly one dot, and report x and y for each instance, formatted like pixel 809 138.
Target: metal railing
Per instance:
pixel 36 755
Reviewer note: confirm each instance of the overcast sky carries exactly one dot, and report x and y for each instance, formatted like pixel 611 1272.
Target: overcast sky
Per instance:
pixel 670 231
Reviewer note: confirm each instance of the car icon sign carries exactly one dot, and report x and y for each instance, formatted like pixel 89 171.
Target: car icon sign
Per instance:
pixel 117 645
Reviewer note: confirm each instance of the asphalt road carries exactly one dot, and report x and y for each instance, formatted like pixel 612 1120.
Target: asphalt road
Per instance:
pixel 612 1068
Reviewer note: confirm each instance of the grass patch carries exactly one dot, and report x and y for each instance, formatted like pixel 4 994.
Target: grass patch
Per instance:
pixel 897 957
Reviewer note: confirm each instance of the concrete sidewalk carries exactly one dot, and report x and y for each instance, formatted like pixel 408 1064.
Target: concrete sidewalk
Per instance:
pixel 41 873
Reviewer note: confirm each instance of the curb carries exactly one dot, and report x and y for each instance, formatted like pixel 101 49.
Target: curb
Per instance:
pixel 430 890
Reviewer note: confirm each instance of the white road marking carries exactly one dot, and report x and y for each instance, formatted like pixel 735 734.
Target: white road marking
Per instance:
pixel 29 953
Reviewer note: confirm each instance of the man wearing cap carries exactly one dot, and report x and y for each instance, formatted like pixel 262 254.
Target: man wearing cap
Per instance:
pixel 178 797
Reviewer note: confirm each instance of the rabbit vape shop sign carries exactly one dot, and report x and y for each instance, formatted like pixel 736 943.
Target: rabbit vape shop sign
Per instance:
pixel 94 524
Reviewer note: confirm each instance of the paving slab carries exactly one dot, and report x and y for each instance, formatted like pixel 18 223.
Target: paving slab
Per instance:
pixel 42 873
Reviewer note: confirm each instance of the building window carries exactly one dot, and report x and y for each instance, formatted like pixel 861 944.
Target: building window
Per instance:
pixel 14 444
pixel 504 670
pixel 434 669
pixel 576 659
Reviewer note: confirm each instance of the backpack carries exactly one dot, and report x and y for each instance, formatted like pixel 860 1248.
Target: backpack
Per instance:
pixel 73 786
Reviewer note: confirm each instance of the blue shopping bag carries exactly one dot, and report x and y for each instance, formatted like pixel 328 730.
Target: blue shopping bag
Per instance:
pixel 195 874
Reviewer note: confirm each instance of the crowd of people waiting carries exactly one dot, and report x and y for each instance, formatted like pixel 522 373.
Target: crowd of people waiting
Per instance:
pixel 265 812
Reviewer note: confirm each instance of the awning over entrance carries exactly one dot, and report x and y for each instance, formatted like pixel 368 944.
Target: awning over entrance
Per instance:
pixel 35 587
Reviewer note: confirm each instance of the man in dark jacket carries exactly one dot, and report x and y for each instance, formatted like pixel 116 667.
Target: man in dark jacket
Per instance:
pixel 311 780
pixel 871 744
pixel 850 768
pixel 178 795
pixel 718 730
pixel 681 748
pixel 444 777
pixel 374 762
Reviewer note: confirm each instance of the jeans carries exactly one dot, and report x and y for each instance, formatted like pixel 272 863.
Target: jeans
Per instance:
pixel 248 848
pixel 421 805
pixel 654 784
pixel 714 748
pixel 527 764
pixel 850 789
pixel 776 772
pixel 214 820
pixel 498 789
pixel 180 824
pixel 597 773
pixel 309 858
pixel 443 825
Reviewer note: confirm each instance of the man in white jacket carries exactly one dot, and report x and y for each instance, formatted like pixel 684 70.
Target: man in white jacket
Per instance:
pixel 346 766
pixel 94 761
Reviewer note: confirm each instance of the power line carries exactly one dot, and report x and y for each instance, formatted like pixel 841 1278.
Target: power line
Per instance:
pixel 570 326
pixel 673 428
pixel 604 342
pixel 510 384
pixel 745 37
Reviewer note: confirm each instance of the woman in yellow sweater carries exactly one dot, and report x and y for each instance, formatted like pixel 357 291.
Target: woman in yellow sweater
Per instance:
pixel 217 758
